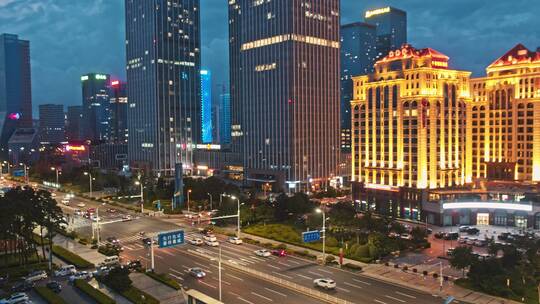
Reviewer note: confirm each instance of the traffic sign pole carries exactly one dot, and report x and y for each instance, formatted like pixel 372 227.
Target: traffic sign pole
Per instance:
pixel 152 252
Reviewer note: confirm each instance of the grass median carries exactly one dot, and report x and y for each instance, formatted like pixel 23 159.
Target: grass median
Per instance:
pixel 94 293
pixel 49 296
pixel 137 296
pixel 71 258
pixel 163 278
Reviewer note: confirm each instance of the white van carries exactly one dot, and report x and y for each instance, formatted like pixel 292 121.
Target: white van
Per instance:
pixel 110 261
pixel 65 271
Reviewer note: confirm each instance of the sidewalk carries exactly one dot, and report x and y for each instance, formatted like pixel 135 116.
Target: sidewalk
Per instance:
pixel 406 279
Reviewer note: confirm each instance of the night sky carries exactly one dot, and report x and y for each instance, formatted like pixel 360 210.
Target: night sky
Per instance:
pixel 73 37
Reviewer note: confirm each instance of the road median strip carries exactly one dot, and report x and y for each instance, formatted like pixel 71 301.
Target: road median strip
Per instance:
pixel 94 293
pixel 71 257
pixel 49 296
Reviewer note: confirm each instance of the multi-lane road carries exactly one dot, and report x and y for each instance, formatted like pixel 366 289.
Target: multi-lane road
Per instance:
pixel 238 286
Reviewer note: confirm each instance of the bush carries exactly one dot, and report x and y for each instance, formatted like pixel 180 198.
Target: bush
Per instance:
pixel 396 265
pixel 414 270
pixel 108 250
pixel 353 266
pixel 49 296
pixel 330 259
pixel 134 295
pixel 94 293
pixel 71 258
pixel 405 268
pixel 118 279
pixel 435 275
pixel 163 278
pixel 425 273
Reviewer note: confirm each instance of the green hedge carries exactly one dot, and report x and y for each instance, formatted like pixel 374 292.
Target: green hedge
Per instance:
pixel 94 293
pixel 134 296
pixel 163 278
pixel 71 257
pixel 49 296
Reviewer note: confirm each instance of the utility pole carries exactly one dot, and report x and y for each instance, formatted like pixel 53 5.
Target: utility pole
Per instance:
pixel 152 252
pixel 441 276
pixel 210 201
pixel 219 271
pixel 97 223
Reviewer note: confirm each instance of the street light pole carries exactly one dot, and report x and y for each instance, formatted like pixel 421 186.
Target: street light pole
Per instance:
pixel 321 210
pixel 219 271
pixel 56 170
pixel 152 252
pixel 210 201
pixel 238 216
pixel 188 192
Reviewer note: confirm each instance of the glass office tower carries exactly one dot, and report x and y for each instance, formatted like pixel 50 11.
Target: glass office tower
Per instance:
pixel 15 87
pixel 163 76
pixel 206 106
pixel 358 52
pixel 284 60
pixel 95 95
pixel 391 26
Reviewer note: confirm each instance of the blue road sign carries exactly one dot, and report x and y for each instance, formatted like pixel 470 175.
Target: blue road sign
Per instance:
pixel 17 173
pixel 449 300
pixel 171 239
pixel 311 236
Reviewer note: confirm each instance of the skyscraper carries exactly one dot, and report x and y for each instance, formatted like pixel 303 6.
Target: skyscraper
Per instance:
pixel 15 87
pixel 391 26
pixel 224 118
pixel 163 73
pixel 284 59
pixel 206 106
pixel 118 107
pixel 95 95
pixel 52 123
pixel 358 52
pixel 74 123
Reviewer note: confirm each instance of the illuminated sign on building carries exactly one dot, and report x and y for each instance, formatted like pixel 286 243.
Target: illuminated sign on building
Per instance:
pixel 84 78
pixel 77 148
pixel 208 147
pixel 439 64
pixel 487 205
pixel 378 11
pixel 115 83
pixel 100 77
pixel 14 116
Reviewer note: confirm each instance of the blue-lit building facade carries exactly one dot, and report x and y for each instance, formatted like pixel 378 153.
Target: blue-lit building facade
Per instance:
pixel 391 30
pixel 95 102
pixel 163 73
pixel 223 121
pixel 15 87
pixel 285 90
pixel 358 53
pixel 206 106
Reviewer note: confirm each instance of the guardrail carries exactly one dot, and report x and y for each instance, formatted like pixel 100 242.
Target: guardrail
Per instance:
pixel 284 283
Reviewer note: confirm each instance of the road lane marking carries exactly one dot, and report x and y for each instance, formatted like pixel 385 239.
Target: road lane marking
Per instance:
pixel 242 299
pixel 395 299
pixel 284 264
pixel 276 292
pixel 261 296
pixel 234 294
pixel 203 267
pixel 272 266
pixel 168 253
pixel 184 266
pixel 294 262
pixel 324 270
pixel 360 281
pixel 283 275
pixel 343 289
pixel 234 277
pixel 176 277
pixel 317 274
pixel 405 295
pixel 303 276
pixel 175 271
pixel 352 285
pixel 380 301
pixel 209 285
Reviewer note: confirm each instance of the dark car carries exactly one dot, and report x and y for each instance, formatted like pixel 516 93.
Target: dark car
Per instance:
pixel 21 286
pixel 112 240
pixel 451 236
pixel 147 241
pixel 439 235
pixel 54 286
pixel 134 265
pixel 3 280
pixel 473 231
pixel 279 252
pixel 503 236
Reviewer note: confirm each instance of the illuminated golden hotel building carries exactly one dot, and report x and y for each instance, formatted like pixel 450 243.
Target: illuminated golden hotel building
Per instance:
pixel 424 135
pixel 409 128
pixel 506 118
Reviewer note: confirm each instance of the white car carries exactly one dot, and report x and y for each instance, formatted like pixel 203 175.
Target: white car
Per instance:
pixel 65 270
pixel 406 236
pixel 65 202
pixel 325 283
pixel 210 238
pixel 235 240
pixel 36 276
pixel 196 242
pixel 81 205
pixel 18 297
pixel 83 275
pixel 212 243
pixel 263 253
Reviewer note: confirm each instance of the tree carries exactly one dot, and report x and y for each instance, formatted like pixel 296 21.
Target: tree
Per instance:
pixel 462 258
pixel 419 234
pixel 118 279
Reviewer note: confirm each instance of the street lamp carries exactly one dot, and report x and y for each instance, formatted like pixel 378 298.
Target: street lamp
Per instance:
pixel 210 201
pixel 188 192
pixel 56 170
pixel 25 172
pixel 320 210
pixel 238 216
pixel 90 176
pixel 139 183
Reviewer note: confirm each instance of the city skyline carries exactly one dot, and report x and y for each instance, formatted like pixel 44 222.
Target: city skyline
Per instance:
pixel 473 40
